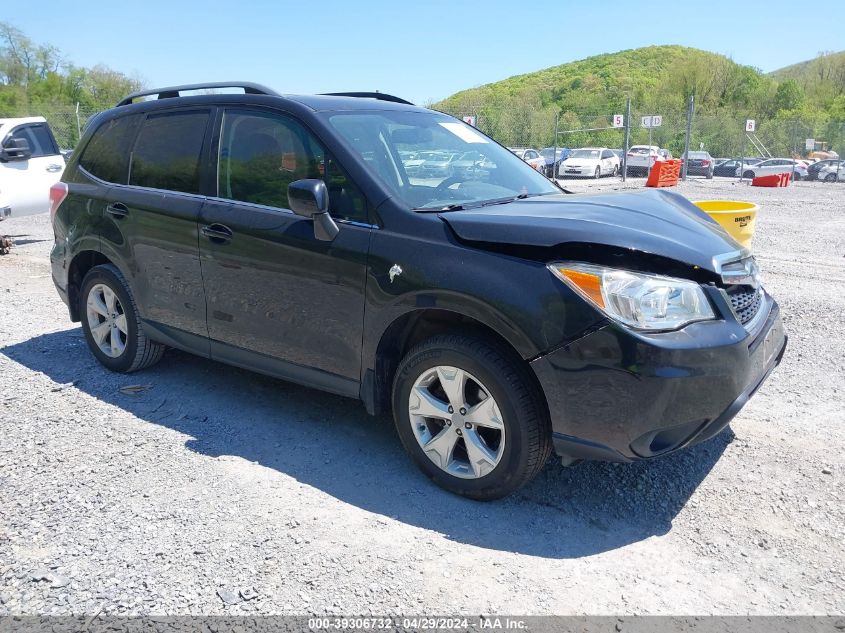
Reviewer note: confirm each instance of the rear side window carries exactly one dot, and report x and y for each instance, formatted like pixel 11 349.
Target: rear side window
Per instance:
pixel 107 154
pixel 39 138
pixel 167 152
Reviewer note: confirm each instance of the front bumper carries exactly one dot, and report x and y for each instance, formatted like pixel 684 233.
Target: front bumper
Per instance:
pixel 617 395
pixel 565 170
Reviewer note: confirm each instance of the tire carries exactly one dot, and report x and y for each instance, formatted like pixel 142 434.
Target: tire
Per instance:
pixel 796 176
pixel 615 171
pixel 830 178
pixel 598 173
pixel 748 174
pixel 710 175
pixel 124 351
pixel 514 451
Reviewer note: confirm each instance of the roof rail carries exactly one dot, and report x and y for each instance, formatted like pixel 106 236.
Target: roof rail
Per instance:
pixel 173 91
pixel 368 95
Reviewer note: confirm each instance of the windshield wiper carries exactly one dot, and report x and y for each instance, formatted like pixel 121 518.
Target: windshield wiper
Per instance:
pixel 463 206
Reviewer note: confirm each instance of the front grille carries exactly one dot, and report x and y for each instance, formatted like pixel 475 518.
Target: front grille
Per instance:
pixel 745 301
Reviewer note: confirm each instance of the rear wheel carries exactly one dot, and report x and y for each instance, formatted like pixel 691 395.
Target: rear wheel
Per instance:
pixel 470 417
pixel 796 176
pixel 830 178
pixel 748 174
pixel 110 322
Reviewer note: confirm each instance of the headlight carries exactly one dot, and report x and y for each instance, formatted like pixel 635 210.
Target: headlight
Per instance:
pixel 639 300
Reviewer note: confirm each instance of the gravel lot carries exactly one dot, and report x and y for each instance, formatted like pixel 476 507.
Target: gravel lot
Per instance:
pixel 212 490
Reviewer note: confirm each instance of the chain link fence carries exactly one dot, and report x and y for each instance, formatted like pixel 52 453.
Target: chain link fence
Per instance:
pixel 722 135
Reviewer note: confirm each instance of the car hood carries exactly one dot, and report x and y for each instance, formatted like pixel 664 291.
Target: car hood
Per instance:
pixel 656 221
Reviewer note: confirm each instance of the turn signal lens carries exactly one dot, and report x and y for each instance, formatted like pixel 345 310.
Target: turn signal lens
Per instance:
pixel 587 284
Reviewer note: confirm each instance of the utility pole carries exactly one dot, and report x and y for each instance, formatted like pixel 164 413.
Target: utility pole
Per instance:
pixel 690 111
pixel 554 148
pixel 627 139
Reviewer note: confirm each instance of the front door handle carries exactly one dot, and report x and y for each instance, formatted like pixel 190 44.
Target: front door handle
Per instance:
pixel 117 209
pixel 217 233
pixel 54 167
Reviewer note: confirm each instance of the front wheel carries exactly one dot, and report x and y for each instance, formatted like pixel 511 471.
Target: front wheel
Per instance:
pixel 830 178
pixel 598 173
pixel 470 417
pixel 111 324
pixel 749 175
pixel 796 176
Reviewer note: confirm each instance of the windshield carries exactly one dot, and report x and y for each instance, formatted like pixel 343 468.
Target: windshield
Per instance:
pixel 639 150
pixel 584 153
pixel 461 166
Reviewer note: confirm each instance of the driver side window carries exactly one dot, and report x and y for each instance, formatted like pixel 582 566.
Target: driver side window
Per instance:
pixel 262 153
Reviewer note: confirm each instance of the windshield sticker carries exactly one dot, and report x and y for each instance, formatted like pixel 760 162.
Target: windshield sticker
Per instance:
pixel 464 132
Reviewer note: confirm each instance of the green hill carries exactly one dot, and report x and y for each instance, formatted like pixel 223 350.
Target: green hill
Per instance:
pixel 813 69
pixel 660 79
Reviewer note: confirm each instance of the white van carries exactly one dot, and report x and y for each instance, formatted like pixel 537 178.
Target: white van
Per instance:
pixel 30 163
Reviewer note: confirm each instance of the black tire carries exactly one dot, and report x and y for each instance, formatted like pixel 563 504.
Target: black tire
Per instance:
pixel 526 426
pixel 140 352
pixel 748 174
pixel 615 170
pixel 796 176
pixel 598 173
pixel 830 178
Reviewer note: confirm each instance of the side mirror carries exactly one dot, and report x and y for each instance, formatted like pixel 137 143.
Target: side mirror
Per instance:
pixel 310 199
pixel 15 149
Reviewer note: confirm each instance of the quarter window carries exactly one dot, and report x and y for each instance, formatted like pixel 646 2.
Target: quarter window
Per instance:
pixel 262 153
pixel 167 152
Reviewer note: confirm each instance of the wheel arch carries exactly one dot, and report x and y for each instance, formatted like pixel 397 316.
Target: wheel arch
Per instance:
pixel 79 266
pixel 414 326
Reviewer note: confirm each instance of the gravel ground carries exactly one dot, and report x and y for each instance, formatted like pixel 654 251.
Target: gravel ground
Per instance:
pixel 211 490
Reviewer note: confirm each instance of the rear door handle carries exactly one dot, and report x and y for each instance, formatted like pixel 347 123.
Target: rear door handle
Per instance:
pixel 117 209
pixel 217 233
pixel 54 167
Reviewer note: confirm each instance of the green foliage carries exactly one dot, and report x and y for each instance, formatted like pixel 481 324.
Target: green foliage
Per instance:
pixel 36 80
pixel 660 80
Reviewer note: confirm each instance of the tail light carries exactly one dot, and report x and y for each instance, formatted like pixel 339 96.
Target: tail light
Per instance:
pixel 705 163
pixel 58 193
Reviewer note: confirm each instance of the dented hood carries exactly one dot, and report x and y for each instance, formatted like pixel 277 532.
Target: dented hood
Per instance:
pixel 653 221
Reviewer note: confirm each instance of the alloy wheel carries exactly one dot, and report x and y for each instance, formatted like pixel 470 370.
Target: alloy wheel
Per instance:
pixel 106 320
pixel 456 422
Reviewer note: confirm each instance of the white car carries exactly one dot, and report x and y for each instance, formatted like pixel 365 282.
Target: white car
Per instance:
pixel 641 158
pixel 592 162
pixel 30 163
pixel 829 173
pixel 776 166
pixel 530 156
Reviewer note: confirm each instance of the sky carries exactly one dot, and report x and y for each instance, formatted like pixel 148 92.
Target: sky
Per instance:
pixel 422 50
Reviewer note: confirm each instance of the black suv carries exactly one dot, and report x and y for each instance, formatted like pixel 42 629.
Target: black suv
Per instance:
pixel 497 317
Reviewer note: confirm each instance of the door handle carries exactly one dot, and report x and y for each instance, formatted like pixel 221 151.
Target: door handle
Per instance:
pixel 117 209
pixel 54 167
pixel 217 233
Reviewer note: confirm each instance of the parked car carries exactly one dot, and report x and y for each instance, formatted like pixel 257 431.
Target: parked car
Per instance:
pixel 641 158
pixel 833 172
pixel 776 166
pixel 700 164
pixel 554 157
pixel 30 163
pixel 814 169
pixel 436 165
pixel 530 156
pixel 729 168
pixel 497 318
pixel 592 162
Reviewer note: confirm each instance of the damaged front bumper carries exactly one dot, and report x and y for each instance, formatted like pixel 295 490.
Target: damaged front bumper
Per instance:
pixel 619 395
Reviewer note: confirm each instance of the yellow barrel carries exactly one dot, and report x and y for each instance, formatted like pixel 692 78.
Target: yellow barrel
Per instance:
pixel 736 217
